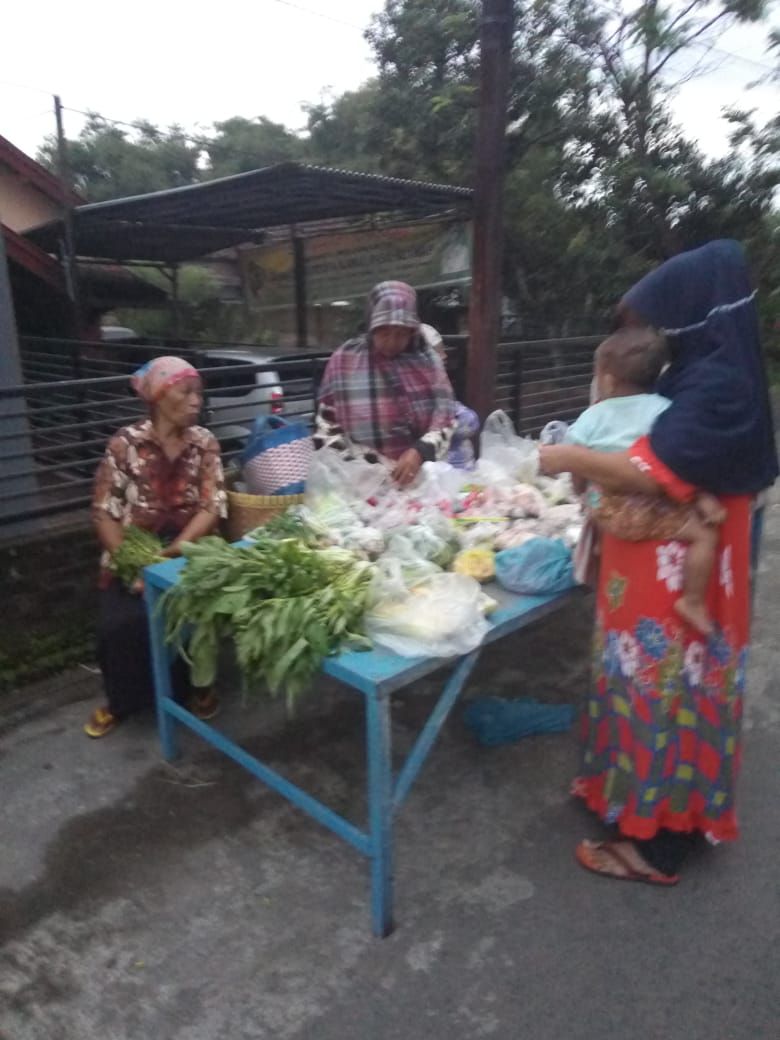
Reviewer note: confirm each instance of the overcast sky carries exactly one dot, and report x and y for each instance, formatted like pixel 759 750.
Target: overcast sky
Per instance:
pixel 195 63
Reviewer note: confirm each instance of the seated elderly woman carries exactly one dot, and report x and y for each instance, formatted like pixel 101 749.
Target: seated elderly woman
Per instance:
pixel 385 395
pixel 163 474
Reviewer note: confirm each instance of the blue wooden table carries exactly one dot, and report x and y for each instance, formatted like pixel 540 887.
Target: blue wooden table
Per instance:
pixel 376 674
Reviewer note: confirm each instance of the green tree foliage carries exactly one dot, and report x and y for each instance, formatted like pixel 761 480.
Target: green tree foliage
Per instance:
pixel 601 184
pixel 108 161
pixel 238 145
pixel 346 132
pixel 656 187
pixel 425 102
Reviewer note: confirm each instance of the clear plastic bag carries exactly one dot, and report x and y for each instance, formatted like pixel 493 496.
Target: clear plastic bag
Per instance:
pixel 439 484
pixel 500 448
pixel 440 617
pixel 396 576
pixel 353 479
pixel 554 432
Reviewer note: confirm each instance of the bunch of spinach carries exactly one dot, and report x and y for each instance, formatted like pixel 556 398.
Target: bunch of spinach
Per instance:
pixel 285 605
pixel 137 550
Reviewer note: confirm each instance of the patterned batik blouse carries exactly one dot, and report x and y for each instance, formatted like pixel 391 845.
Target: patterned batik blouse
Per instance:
pixel 136 483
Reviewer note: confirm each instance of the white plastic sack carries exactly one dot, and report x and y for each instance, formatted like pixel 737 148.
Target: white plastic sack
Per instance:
pixel 500 446
pixel 438 483
pixel 440 617
pixel 353 479
pixel 395 576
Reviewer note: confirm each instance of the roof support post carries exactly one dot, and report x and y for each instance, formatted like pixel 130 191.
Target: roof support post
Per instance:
pixel 176 301
pixel 485 305
pixel 301 315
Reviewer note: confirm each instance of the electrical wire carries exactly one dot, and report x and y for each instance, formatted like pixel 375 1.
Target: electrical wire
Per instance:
pixel 735 57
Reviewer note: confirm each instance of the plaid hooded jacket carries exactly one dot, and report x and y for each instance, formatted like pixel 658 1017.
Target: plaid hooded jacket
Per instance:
pixel 371 406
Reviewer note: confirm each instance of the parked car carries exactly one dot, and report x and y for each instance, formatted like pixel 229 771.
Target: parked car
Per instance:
pixel 238 385
pixel 237 391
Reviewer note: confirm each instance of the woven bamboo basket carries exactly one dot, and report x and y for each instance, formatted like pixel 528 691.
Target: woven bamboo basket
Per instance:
pixel 245 511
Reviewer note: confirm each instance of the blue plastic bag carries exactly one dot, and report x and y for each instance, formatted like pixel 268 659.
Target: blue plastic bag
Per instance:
pixel 276 458
pixel 538 566
pixel 494 720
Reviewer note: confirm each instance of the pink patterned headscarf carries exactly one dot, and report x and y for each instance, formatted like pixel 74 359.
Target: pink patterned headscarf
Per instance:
pixel 155 377
pixel 392 303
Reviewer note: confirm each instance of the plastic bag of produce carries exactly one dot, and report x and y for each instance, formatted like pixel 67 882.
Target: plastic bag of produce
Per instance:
pixel 419 540
pixel 538 566
pixel 395 576
pixel 472 536
pixel 440 617
pixel 439 484
pixel 500 448
pixel 479 563
pixel 351 480
pixel 554 432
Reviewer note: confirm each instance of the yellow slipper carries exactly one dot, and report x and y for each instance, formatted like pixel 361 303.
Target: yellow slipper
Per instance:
pixel 101 722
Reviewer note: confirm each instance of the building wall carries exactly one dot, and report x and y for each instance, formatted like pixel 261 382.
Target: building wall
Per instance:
pixel 22 205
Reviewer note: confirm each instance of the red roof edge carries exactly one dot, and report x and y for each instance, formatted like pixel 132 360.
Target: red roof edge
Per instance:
pixel 25 253
pixel 36 174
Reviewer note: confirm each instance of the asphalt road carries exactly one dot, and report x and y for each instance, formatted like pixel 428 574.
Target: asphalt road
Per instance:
pixel 139 900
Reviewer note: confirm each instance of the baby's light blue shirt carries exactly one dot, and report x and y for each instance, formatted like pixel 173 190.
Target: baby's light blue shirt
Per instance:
pixel 615 424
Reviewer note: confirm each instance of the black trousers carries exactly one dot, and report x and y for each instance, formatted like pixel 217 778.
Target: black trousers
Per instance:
pixel 124 653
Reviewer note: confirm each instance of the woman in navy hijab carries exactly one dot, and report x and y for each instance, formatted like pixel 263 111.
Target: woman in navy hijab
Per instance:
pixel 662 726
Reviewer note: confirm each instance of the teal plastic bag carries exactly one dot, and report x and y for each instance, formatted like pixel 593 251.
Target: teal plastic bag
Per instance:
pixel 537 567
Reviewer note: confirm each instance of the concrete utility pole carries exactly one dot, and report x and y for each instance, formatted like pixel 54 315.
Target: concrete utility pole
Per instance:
pixel 485 304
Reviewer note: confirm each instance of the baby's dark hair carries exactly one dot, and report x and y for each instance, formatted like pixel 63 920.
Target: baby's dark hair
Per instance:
pixel 634 356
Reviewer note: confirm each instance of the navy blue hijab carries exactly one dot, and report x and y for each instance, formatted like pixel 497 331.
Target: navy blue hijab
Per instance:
pixel 718 434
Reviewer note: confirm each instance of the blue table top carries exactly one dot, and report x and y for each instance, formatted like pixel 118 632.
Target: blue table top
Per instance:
pixel 382 671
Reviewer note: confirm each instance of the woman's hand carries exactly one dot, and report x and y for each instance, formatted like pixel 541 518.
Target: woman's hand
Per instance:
pixel 554 459
pixel 407 467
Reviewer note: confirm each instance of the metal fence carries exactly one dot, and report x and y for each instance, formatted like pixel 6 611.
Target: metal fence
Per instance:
pixel 54 428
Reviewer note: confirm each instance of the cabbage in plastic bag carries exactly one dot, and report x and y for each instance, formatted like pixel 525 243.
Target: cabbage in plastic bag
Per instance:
pixel 440 617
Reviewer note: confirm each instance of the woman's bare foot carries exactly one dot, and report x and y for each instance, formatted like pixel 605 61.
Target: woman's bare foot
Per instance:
pixel 696 614
pixel 620 860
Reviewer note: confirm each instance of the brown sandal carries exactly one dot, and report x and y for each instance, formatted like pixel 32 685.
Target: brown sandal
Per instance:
pixel 101 722
pixel 625 872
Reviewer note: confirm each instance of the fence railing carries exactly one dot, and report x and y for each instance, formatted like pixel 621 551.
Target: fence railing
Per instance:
pixel 54 427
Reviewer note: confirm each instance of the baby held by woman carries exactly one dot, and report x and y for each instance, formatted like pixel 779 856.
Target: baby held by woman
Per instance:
pixel 627 367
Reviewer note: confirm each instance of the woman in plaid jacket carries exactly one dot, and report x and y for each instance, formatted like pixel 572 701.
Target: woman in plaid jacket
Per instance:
pixel 385 396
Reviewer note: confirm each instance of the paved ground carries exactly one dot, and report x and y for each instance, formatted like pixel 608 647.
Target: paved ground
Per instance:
pixel 143 901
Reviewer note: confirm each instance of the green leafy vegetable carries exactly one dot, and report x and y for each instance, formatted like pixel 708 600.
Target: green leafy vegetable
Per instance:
pixel 290 524
pixel 285 605
pixel 137 550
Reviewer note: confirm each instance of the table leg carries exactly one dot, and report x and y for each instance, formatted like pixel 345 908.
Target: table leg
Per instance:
pixel 432 728
pixel 380 810
pixel 161 668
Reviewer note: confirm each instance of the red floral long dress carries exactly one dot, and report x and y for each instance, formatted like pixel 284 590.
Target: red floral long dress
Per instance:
pixel 662 725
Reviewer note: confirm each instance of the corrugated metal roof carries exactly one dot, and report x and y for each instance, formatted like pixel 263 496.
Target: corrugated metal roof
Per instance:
pixel 193 221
